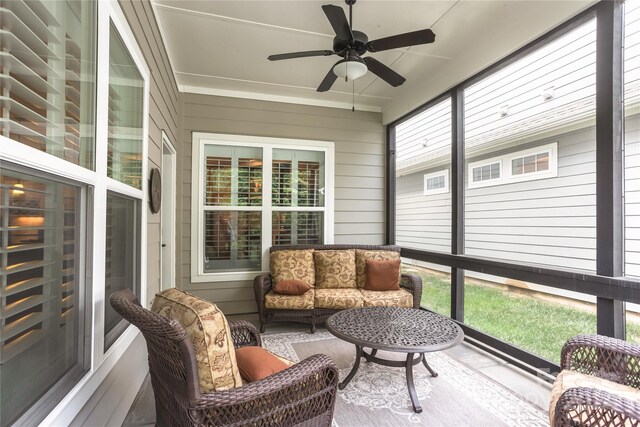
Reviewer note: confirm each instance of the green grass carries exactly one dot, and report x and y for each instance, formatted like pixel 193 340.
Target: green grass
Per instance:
pixel 538 326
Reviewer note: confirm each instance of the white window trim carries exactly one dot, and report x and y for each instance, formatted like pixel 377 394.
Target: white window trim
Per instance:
pixel 552 172
pixel 199 140
pixel 445 189
pixel 486 182
pixel 506 173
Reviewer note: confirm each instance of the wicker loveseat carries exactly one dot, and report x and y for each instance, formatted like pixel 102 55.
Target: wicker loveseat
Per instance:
pixel 318 304
pixel 599 385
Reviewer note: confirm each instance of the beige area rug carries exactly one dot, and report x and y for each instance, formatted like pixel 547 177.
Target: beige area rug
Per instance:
pixel 377 395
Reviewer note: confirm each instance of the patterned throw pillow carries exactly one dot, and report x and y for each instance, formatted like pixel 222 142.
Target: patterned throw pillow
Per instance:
pixel 209 332
pixel 291 287
pixel 293 264
pixel 335 269
pixel 361 262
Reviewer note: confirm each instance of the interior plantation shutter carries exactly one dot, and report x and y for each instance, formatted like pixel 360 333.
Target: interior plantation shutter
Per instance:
pixel 39 285
pixel 40 69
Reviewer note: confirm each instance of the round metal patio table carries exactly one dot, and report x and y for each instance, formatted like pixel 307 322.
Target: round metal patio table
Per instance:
pixel 403 330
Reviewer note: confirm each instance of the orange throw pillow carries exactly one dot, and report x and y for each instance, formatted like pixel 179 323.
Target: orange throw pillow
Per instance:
pixel 382 275
pixel 256 363
pixel 291 287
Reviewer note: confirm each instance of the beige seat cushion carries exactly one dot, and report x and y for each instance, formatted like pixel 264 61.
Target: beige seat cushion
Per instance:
pixel 335 269
pixel 209 332
pixel 290 302
pixel 338 298
pixel 569 379
pixel 399 298
pixel 361 262
pixel 293 264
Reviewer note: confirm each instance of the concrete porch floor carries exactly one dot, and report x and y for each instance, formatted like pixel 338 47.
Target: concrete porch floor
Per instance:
pixel 533 389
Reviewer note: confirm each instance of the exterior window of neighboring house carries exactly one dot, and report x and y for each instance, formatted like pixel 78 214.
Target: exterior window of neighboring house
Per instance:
pixel 252 193
pixel 436 183
pixel 64 211
pixel 481 174
pixel 525 165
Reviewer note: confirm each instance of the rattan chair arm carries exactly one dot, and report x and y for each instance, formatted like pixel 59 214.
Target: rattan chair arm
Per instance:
pixel 244 334
pixel 412 283
pixel 609 358
pixel 594 407
pixel 261 285
pixel 289 397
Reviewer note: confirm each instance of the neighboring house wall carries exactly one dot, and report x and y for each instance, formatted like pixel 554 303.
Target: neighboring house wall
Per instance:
pixel 113 397
pixel 359 172
pixel 632 195
pixel 548 221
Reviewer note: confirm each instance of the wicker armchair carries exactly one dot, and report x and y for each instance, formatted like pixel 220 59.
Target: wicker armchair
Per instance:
pixel 303 394
pixel 603 357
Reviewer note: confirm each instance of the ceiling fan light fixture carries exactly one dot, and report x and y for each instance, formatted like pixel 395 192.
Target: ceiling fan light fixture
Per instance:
pixel 350 69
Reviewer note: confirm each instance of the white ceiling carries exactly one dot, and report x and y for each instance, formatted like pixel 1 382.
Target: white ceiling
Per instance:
pixel 221 47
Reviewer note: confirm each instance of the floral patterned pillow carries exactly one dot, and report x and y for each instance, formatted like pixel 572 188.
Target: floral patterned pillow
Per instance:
pixel 210 335
pixel 335 269
pixel 293 264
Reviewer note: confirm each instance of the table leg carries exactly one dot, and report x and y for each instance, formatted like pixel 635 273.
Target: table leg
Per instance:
pixel 426 365
pixel 373 352
pixel 356 364
pixel 412 390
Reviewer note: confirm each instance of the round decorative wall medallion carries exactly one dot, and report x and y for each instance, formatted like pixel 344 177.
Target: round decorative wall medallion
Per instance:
pixel 155 190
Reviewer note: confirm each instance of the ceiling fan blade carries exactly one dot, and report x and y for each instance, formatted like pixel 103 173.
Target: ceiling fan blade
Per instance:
pixel 384 72
pixel 338 21
pixel 402 40
pixel 328 81
pixel 300 54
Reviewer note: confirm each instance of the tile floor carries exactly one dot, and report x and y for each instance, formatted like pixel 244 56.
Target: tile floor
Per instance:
pixel 534 389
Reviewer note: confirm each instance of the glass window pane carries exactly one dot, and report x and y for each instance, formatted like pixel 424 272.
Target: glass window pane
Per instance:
pixel 297 228
pixel 48 86
pixel 423 147
pixel 517 166
pixel 298 178
pixel 632 157
pixel 232 241
pixel 122 265
pixel 233 176
pixel 542 162
pixel 535 318
pixel 126 109
pixel 40 278
pixel 550 221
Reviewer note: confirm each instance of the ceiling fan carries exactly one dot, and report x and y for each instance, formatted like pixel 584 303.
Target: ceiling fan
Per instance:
pixel 351 45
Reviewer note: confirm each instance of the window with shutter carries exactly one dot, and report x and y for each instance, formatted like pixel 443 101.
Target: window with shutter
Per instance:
pixel 252 193
pixel 47 77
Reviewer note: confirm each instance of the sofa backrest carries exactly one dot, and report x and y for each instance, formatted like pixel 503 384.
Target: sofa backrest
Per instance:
pixel 327 272
pixel 336 247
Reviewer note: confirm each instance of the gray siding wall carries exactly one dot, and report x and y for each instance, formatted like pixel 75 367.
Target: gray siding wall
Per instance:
pixel 548 221
pixel 359 172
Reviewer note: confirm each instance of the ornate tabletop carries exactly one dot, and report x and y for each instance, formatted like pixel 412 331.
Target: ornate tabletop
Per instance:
pixel 397 329
pixel 406 330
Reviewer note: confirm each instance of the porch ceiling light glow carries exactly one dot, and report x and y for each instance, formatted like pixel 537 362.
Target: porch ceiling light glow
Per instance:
pixel 350 69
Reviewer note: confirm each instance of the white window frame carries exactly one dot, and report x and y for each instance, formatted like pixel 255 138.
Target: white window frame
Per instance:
pixel 486 182
pixel 506 172
pixel 550 149
pixel 445 189
pixel 100 363
pixel 199 141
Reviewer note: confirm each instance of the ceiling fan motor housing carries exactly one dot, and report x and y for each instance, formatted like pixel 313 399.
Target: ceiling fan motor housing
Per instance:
pixel 359 43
